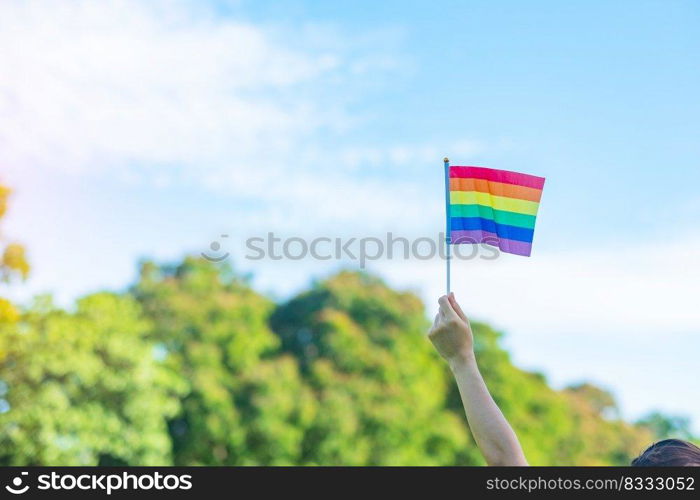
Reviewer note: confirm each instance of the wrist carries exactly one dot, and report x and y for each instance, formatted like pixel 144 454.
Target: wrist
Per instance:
pixel 462 360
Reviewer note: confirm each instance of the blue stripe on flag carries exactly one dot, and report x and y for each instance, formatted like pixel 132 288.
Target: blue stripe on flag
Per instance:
pixel 502 230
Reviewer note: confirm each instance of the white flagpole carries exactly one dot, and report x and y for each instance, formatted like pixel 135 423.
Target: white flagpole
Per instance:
pixel 448 239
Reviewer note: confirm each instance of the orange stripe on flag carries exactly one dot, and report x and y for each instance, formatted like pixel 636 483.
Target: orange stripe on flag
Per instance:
pixel 495 188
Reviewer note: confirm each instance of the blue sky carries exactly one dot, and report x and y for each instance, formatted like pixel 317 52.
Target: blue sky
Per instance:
pixel 138 129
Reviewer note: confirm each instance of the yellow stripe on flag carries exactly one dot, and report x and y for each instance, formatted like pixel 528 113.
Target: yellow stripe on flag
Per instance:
pixel 496 202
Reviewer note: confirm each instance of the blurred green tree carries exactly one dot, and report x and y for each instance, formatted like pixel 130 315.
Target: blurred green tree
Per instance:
pixel 193 367
pixel 667 426
pixel 244 403
pixel 13 261
pixel 385 398
pixel 82 388
pixel 380 388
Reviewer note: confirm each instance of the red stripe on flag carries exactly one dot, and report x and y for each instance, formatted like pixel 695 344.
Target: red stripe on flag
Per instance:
pixel 492 174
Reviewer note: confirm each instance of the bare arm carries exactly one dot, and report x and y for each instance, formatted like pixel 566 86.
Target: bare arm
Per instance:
pixel 452 337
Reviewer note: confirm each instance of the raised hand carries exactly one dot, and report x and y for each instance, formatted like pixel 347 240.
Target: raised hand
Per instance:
pixel 451 334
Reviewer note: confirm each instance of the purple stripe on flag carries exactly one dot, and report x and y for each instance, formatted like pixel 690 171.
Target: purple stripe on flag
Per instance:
pixel 479 236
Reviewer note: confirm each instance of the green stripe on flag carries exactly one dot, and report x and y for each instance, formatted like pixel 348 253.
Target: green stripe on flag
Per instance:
pixel 500 216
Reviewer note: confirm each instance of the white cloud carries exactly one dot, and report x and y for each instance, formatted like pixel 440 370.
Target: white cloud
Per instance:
pixel 167 93
pixel 629 290
pixel 109 84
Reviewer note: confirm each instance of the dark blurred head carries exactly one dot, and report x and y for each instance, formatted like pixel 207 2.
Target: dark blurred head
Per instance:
pixel 668 453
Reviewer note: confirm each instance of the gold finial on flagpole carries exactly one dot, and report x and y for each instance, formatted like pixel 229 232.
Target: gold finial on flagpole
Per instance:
pixel 446 159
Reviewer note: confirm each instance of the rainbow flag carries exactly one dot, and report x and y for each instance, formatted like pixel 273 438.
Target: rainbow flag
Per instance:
pixel 496 207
